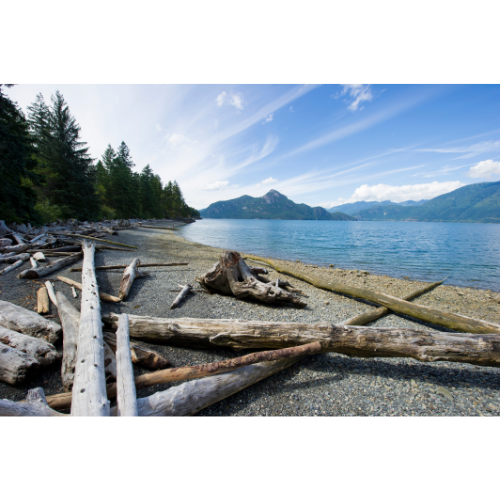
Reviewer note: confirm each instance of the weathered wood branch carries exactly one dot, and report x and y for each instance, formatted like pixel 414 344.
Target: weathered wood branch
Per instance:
pixel 427 346
pixel 129 275
pixel 124 266
pixel 38 349
pixel 35 406
pixel 94 239
pixel 232 276
pixel 8 259
pixel 424 313
pixel 40 272
pixel 185 291
pixel 17 248
pixel 368 317
pixel 102 295
pixel 89 386
pixel 52 293
pixel 15 365
pixel 28 322
pixel 43 306
pixel 126 399
pixel 16 264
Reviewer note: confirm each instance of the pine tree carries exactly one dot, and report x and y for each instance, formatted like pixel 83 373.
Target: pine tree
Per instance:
pixel 17 199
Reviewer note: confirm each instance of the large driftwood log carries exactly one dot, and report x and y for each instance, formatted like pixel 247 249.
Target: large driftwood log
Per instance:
pixel 126 399
pixel 38 349
pixel 70 320
pixel 232 276
pixel 10 258
pixel 43 306
pixel 185 291
pixel 16 264
pixel 95 239
pixel 129 275
pixel 102 295
pixel 368 317
pixel 89 387
pixel 434 316
pixel 17 248
pixel 476 349
pixel 28 322
pixel 39 272
pixel 15 365
pixel 63 401
pixel 140 355
pixel 35 406
pixel 191 397
pixel 124 266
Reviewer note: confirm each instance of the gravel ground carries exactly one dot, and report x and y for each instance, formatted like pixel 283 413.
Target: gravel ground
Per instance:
pixel 325 384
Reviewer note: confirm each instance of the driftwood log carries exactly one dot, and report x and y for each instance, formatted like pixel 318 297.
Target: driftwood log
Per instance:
pixel 126 398
pixel 368 317
pixel 102 295
pixel 16 264
pixel 35 406
pixel 89 386
pixel 39 256
pixel 52 293
pixel 38 349
pixel 39 272
pixel 476 349
pixel 28 322
pixel 140 355
pixel 185 291
pixel 124 266
pixel 17 248
pixel 43 306
pixel 94 239
pixel 15 365
pixel 232 276
pixel 129 275
pixel 9 259
pixel 63 400
pixel 70 320
pixel 449 320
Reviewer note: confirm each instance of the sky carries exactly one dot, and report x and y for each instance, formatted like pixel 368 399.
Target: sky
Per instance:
pixel 322 145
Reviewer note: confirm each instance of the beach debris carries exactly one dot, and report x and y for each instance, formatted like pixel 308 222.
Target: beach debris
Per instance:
pixel 102 295
pixel 34 263
pixel 126 398
pixel 35 406
pixel 185 291
pixel 15 365
pixel 43 306
pixel 39 272
pixel 434 316
pixel 232 276
pixel 52 293
pixel 63 400
pixel 89 385
pixel 23 320
pixel 73 291
pixel 368 317
pixel 143 356
pixel 16 264
pixel 129 275
pixel 9 259
pixel 123 266
pixel 44 352
pixel 94 239
pixel 38 256
pixel 426 346
pixel 16 248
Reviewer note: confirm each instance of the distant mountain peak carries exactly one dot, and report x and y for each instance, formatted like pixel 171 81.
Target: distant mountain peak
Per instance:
pixel 274 196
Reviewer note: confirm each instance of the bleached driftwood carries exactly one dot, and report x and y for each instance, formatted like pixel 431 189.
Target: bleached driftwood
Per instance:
pixel 15 365
pixel 140 355
pixel 70 320
pixel 43 306
pixel 38 349
pixel 129 275
pixel 17 248
pixel 39 272
pixel 16 264
pixel 5 242
pixel 185 290
pixel 28 322
pixel 126 399
pixel 35 406
pixel 34 263
pixel 102 295
pixel 123 266
pixel 94 239
pixel 232 276
pixel 73 291
pixel 12 257
pixel 51 292
pixel 362 341
pixel 89 387
pixel 39 257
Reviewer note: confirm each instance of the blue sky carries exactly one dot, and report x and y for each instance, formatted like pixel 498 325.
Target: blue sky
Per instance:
pixel 321 145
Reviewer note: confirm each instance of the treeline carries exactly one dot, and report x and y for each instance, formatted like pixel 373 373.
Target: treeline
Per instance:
pixel 48 174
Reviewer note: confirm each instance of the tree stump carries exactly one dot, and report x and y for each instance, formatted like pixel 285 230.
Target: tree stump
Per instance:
pixel 232 276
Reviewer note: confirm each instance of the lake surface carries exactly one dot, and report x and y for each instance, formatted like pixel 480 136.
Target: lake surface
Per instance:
pixel 429 251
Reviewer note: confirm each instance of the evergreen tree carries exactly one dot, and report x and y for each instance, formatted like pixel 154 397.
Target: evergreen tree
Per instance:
pixel 17 199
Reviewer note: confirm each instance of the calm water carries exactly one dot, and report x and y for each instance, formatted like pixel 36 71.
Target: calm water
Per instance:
pixel 468 253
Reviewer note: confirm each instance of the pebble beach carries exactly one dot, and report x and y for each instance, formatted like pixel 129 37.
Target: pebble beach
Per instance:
pixel 320 385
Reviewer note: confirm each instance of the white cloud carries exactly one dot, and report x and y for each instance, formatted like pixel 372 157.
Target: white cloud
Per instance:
pixel 382 192
pixel 292 110
pixel 358 93
pixel 218 186
pixel 265 182
pixel 232 99
pixel 485 168
pixel 470 151
pixel 269 118
pixel 177 140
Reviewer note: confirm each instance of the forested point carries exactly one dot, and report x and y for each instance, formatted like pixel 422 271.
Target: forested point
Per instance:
pixel 48 174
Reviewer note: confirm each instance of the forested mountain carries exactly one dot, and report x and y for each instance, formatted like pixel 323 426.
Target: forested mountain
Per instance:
pixel 357 206
pixel 272 205
pixel 472 203
pixel 47 172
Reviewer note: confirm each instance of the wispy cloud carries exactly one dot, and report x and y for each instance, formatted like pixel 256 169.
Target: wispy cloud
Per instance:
pixel 355 95
pixel 470 151
pixel 218 186
pixel 269 118
pixel 485 169
pixel 265 182
pixel 233 99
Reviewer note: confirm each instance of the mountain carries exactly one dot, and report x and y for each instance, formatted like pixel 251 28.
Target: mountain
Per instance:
pixel 354 208
pixel 472 203
pixel 272 205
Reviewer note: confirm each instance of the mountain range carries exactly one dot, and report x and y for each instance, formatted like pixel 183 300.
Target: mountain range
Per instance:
pixel 272 205
pixel 357 206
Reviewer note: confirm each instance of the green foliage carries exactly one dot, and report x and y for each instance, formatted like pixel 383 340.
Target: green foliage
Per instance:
pixel 47 212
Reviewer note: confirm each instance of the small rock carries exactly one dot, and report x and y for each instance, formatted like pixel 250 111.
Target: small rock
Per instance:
pixel 446 393
pixel 327 303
